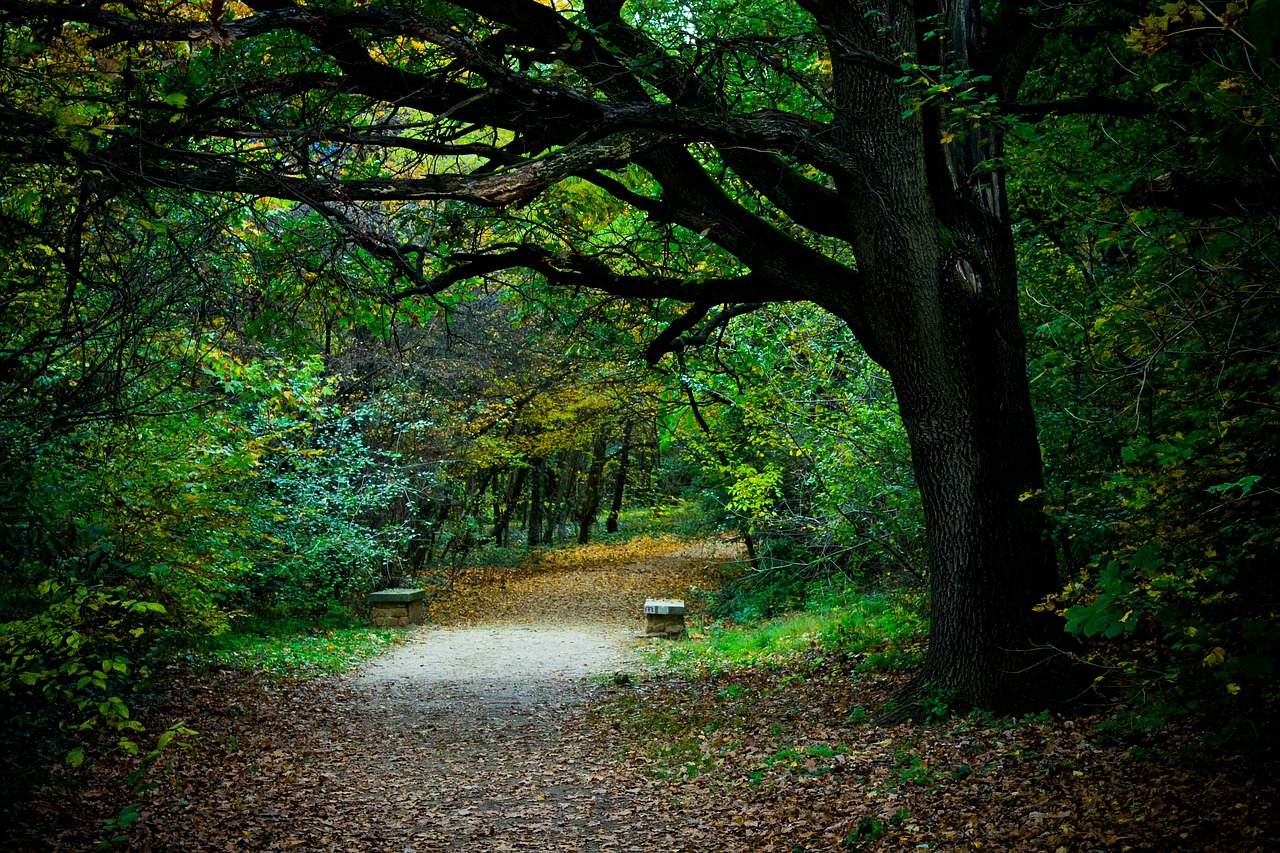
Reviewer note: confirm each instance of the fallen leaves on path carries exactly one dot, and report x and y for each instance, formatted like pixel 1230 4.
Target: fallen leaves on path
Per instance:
pixel 764 758
pixel 588 584
pixel 782 759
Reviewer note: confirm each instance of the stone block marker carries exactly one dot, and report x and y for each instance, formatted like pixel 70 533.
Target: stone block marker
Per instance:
pixel 397 608
pixel 663 618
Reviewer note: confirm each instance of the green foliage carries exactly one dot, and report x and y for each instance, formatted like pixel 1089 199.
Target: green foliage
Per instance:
pixel 296 647
pixel 880 621
pixel 1154 368
pixel 130 539
pixel 62 652
pixel 911 769
pixel 881 630
pixel 868 829
pixel 318 512
pixel 766 593
pixel 804 452
pixel 116 828
pixel 724 646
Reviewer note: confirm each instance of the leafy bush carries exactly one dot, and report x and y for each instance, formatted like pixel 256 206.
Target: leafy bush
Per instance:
pixel 1157 382
pixel 134 538
pixel 318 517
pixel 296 647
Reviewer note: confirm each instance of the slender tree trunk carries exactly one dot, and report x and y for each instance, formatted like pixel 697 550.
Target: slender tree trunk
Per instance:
pixel 649 457
pixel 510 498
pixel 620 484
pixel 591 496
pixel 566 483
pixel 434 528
pixel 537 483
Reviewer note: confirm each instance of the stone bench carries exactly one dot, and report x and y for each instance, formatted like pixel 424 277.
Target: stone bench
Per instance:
pixel 663 618
pixel 397 608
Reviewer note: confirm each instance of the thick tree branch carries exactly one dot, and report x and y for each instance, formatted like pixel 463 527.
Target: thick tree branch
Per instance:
pixel 584 272
pixel 383 140
pixel 696 339
pixel 696 202
pixel 664 342
pixel 805 201
pixel 808 203
pixel 515 185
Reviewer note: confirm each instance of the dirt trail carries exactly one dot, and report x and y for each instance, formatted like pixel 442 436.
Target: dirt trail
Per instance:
pixel 472 724
pixel 469 736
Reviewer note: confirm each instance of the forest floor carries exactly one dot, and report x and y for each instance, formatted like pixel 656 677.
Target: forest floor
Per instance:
pixel 523 720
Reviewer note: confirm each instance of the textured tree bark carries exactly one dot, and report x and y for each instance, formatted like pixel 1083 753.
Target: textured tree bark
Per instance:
pixel 965 403
pixel 936 251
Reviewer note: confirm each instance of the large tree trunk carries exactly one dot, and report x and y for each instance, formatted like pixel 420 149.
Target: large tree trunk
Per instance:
pixel 964 401
pixel 939 310
pixel 958 366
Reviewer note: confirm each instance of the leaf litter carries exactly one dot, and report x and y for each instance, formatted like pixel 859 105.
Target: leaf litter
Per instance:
pixel 514 749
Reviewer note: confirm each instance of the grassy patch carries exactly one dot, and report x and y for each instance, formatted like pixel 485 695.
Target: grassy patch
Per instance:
pixel 294 647
pixel 722 646
pixel 885 630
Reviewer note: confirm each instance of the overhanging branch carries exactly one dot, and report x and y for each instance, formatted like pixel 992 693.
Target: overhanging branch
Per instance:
pixel 680 335
pixel 512 186
pixel 1083 105
pixel 664 342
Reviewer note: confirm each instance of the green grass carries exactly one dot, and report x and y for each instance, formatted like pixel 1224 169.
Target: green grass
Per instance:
pixel 885 629
pixel 294 647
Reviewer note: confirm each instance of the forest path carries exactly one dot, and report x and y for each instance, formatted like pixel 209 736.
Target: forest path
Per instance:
pixel 473 734
pixel 471 728
pixel 478 734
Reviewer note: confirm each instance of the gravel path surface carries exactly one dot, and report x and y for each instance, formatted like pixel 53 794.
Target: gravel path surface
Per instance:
pixel 489 684
pixel 481 721
pixel 502 657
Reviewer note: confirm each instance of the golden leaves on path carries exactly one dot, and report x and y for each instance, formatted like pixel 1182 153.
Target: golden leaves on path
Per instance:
pixel 775 757
pixel 604 584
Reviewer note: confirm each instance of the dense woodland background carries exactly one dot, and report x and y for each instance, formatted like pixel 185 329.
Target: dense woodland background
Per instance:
pixel 220 407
